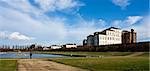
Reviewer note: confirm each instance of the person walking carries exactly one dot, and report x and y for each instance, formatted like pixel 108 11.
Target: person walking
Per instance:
pixel 30 55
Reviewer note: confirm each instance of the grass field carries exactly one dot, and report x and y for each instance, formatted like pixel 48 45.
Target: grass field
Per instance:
pixel 112 61
pixel 108 64
pixel 127 61
pixel 8 65
pixel 90 53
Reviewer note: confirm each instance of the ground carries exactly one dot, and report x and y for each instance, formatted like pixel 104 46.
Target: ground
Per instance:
pixel 108 61
pixel 42 65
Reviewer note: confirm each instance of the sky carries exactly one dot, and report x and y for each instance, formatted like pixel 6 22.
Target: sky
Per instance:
pixel 49 22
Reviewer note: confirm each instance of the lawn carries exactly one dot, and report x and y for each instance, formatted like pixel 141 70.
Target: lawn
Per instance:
pixel 108 63
pixel 90 53
pixel 8 65
pixel 112 61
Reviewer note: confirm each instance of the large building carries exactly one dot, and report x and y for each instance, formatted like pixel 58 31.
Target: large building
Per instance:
pixel 128 37
pixel 109 36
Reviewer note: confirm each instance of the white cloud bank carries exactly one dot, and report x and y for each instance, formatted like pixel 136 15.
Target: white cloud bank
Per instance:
pixel 2 35
pixel 18 36
pixel 19 16
pixel 130 20
pixel 133 19
pixel 142 29
pixel 14 36
pixel 57 5
pixel 122 3
pixel 131 23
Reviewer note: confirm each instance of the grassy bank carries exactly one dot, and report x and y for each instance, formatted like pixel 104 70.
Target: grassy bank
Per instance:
pixel 89 53
pixel 108 64
pixel 127 61
pixel 8 65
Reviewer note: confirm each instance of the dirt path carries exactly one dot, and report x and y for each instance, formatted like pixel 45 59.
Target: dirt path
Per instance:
pixel 41 65
pixel 135 54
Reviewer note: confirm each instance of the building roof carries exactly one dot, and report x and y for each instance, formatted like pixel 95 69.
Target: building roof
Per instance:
pixel 113 28
pixel 110 29
pixel 90 36
pixel 104 31
pixel 125 31
pixel 70 44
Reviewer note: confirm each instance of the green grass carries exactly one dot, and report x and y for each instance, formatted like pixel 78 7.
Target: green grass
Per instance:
pixel 8 65
pixel 91 53
pixel 108 64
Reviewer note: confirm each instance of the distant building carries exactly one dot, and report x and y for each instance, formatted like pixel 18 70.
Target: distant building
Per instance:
pixel 55 47
pixel 36 47
pixel 70 46
pixel 109 36
pixel 46 48
pixel 90 40
pixel 129 37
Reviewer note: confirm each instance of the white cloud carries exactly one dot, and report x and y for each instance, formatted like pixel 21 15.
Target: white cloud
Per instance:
pixel 22 22
pixel 122 3
pixel 44 5
pixel 57 5
pixel 133 19
pixel 141 28
pixel 13 36
pixel 18 36
pixel 130 20
pixel 84 28
pixel 27 20
pixel 20 5
pixel 2 35
pixel 102 23
pixel 116 23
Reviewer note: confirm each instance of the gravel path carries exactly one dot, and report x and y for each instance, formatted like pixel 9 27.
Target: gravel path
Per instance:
pixel 41 65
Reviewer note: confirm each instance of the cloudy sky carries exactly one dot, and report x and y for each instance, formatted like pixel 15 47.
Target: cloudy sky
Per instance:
pixel 49 22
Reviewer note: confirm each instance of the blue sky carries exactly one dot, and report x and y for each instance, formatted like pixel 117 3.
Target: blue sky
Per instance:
pixel 50 22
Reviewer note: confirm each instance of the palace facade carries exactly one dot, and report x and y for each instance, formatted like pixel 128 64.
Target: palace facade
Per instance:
pixel 110 36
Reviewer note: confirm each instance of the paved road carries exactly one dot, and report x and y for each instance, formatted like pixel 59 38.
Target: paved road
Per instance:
pixel 41 65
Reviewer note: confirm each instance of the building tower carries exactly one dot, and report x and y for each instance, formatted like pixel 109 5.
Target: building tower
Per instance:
pixel 129 37
pixel 90 40
pixel 84 42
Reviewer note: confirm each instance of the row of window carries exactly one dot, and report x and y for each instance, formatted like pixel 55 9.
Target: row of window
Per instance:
pixel 113 34
pixel 105 43
pixel 109 38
